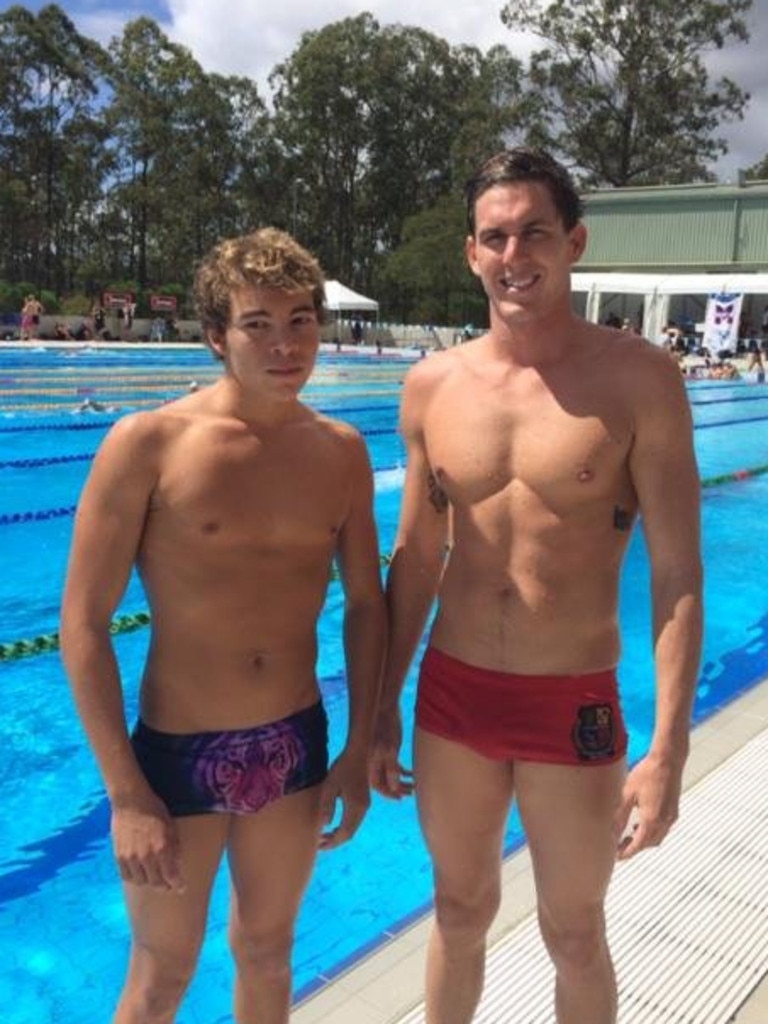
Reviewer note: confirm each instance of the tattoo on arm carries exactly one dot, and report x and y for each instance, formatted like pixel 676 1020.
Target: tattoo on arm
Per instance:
pixel 622 519
pixel 437 495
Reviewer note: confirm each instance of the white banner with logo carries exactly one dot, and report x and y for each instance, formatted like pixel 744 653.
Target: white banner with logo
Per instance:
pixel 721 323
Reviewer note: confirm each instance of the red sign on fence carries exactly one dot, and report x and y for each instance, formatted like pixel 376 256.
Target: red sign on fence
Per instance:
pixel 116 300
pixel 162 303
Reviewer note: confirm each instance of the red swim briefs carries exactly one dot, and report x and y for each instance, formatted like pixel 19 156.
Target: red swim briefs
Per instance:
pixel 504 716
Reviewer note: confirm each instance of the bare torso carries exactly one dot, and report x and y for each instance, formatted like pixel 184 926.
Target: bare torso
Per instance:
pixel 235 556
pixel 534 462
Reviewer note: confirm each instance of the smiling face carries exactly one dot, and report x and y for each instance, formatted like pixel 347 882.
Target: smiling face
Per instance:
pixel 271 341
pixel 522 252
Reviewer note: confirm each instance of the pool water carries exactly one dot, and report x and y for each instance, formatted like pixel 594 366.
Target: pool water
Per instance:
pixel 62 920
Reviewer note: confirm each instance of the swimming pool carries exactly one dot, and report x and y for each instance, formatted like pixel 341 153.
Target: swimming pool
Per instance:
pixel 62 918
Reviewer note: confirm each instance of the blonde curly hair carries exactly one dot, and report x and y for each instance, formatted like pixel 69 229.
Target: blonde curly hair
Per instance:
pixel 266 258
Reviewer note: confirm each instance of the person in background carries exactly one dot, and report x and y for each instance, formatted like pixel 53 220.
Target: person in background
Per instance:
pixel 61 332
pixel 531 451
pixel 157 329
pixel 31 311
pixel 757 364
pixel 99 318
pixel 233 502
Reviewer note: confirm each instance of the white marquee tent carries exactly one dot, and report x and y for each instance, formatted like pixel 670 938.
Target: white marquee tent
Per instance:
pixel 340 299
pixel 657 290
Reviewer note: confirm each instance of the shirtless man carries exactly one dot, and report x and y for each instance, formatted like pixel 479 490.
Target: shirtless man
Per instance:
pixel 31 312
pixel 531 451
pixel 232 502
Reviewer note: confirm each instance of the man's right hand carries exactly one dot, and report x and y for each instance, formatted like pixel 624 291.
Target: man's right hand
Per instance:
pixel 146 844
pixel 388 776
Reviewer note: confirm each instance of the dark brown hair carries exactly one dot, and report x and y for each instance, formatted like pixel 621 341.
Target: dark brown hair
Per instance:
pixel 523 164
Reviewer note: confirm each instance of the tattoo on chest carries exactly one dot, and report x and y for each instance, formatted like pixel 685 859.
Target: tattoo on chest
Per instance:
pixel 437 496
pixel 622 519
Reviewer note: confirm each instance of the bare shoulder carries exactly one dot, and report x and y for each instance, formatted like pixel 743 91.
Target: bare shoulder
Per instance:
pixel 343 434
pixel 430 371
pixel 145 428
pixel 426 378
pixel 645 373
pixel 339 454
pixel 138 442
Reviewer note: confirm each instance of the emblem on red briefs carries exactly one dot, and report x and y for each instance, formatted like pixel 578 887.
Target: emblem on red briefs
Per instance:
pixel 594 732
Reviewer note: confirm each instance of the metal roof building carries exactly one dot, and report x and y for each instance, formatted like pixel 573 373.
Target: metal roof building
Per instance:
pixel 645 243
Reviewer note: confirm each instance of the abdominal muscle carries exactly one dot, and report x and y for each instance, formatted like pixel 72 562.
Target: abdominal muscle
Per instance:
pixel 229 657
pixel 529 614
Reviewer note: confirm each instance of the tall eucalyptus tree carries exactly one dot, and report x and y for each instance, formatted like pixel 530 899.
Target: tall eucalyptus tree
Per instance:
pixel 51 136
pixel 624 89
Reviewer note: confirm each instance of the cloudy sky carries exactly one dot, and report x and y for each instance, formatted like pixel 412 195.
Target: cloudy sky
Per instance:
pixel 249 37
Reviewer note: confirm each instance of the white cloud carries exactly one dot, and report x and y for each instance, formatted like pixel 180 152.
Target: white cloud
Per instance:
pixel 745 65
pixel 240 37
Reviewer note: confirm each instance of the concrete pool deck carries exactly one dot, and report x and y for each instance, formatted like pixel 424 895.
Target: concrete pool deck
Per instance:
pixel 387 986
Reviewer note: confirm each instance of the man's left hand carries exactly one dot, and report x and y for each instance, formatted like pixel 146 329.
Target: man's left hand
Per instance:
pixel 649 807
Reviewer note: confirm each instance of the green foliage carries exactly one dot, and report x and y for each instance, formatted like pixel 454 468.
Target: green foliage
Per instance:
pixel 49 138
pixel 623 91
pixel 12 295
pixel 759 171
pixel 76 304
pixel 374 124
pixel 50 301
pixel 426 279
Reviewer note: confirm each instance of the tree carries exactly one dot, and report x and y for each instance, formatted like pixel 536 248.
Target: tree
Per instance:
pixel 323 96
pixel 497 110
pixel 373 125
pixel 50 138
pixel 625 95
pixel 759 171
pixel 148 116
pixel 427 277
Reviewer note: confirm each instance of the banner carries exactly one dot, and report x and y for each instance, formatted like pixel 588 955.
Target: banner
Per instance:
pixel 721 323
pixel 116 300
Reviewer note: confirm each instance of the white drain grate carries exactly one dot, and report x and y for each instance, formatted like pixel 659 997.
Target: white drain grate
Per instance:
pixel 688 923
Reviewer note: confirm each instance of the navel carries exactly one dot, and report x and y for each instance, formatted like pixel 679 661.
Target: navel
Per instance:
pixel 211 526
pixel 585 475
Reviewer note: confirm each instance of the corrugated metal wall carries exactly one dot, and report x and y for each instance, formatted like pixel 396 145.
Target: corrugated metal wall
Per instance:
pixel 685 228
pixel 753 231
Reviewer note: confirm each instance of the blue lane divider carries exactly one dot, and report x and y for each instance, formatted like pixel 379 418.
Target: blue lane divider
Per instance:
pixel 53 460
pixel 11 518
pixel 24 428
pixel 720 401
pixel 338 411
